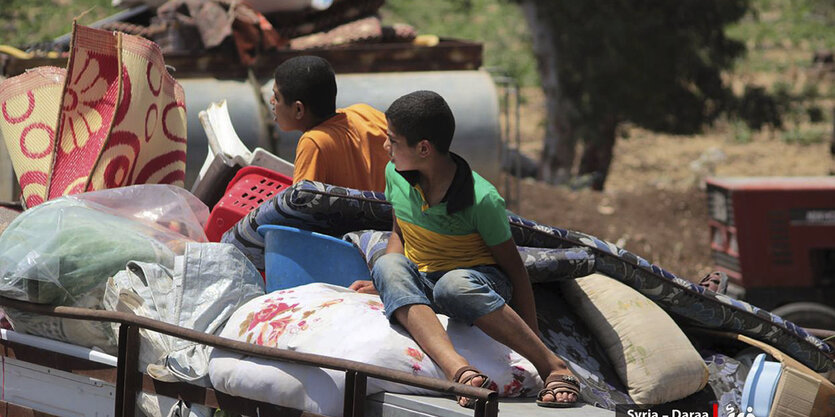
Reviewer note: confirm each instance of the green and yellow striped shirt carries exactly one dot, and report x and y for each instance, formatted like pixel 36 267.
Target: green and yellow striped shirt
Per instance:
pixel 455 233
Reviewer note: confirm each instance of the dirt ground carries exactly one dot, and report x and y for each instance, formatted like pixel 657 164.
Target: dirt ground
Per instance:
pixel 653 205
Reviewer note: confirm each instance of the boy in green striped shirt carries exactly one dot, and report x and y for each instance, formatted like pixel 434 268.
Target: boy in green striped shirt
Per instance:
pixel 451 252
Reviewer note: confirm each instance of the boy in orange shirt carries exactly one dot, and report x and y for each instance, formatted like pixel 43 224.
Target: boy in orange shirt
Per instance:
pixel 342 147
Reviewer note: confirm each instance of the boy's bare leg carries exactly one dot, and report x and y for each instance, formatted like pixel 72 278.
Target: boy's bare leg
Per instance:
pixel 422 323
pixel 505 326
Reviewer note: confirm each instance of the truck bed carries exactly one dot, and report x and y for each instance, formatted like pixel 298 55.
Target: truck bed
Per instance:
pixel 387 404
pixel 61 379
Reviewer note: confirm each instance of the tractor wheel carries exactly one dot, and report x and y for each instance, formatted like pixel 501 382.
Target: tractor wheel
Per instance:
pixel 809 315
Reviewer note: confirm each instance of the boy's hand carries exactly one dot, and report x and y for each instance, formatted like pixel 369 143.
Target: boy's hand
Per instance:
pixel 507 257
pixel 363 287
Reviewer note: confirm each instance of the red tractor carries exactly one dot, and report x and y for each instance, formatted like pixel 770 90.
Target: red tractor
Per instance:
pixel 775 238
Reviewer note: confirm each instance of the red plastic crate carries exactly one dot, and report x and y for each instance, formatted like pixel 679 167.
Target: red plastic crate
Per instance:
pixel 251 187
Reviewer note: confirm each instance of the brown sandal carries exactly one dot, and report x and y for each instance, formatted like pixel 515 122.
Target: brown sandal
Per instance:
pixel 470 402
pixel 562 384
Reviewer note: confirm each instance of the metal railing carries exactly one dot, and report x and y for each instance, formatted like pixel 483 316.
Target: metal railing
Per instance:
pixel 129 378
pixel 510 140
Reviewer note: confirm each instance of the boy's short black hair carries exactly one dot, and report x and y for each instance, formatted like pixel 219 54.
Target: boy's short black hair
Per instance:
pixel 309 79
pixel 422 115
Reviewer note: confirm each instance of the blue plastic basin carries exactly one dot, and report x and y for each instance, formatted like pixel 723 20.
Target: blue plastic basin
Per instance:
pixel 294 257
pixel 760 386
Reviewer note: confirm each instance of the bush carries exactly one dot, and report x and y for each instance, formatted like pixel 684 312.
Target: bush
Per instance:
pixel 815 113
pixel 803 136
pixel 741 132
pixel 757 108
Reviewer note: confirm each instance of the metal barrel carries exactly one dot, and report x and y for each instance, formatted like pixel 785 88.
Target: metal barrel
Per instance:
pixel 471 95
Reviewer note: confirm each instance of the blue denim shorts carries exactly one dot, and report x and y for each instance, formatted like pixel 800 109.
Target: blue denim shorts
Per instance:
pixel 463 294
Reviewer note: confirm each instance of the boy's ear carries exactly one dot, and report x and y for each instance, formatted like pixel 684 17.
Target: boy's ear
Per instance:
pixel 424 147
pixel 299 109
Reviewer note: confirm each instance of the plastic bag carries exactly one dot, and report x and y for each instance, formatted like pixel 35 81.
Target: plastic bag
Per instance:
pixel 166 206
pixel 63 251
pixel 204 288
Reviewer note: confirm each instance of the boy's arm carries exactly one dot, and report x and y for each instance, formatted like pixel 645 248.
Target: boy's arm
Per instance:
pixel 307 162
pixel 395 245
pixel 508 259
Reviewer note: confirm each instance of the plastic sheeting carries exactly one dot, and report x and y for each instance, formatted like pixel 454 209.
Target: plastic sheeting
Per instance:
pixel 201 292
pixel 62 252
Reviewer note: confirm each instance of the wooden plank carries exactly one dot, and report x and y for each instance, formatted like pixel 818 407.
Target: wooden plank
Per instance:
pixel 178 390
pixel 14 410
pixel 357 58
pixel 58 361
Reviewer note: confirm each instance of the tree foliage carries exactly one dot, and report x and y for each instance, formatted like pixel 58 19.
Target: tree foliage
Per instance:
pixel 26 22
pixel 498 24
pixel 654 63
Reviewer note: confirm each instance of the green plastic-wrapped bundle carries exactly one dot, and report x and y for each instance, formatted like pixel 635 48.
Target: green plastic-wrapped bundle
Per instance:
pixel 59 252
pixel 62 253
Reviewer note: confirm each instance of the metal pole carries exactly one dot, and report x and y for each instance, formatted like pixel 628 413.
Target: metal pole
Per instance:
pixel 348 396
pixel 127 375
pixel 518 199
pixel 506 143
pixel 120 371
pixel 355 389
pixel 133 378
pixel 486 408
pixel 501 139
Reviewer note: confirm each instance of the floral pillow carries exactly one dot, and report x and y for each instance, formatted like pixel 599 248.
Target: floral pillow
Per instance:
pixel 334 321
